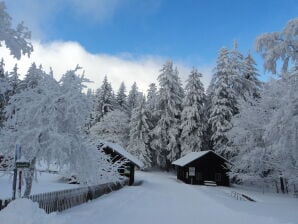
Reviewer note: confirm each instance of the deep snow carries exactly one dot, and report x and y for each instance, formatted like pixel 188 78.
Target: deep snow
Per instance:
pixel 163 199
pixel 24 211
pixel 45 182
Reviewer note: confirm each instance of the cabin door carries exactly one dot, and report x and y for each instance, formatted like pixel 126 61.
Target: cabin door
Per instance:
pixel 192 174
pixel 199 177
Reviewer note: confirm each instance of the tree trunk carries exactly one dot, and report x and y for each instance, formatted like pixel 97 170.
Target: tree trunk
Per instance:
pixel 286 186
pixel 28 175
pixel 276 186
pixel 168 165
pixel 282 186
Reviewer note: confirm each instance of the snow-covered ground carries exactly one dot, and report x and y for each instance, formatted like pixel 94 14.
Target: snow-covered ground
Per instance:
pixel 46 182
pixel 163 199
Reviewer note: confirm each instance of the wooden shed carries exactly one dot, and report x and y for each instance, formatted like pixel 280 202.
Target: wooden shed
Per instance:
pixel 202 167
pixel 119 153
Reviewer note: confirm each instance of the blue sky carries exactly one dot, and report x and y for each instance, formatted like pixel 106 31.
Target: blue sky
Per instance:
pixel 189 32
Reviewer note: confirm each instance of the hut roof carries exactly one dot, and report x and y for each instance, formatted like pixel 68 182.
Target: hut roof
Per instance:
pixel 188 158
pixel 120 150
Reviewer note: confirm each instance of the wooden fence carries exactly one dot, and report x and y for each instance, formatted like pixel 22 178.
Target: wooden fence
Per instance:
pixel 241 197
pixel 61 200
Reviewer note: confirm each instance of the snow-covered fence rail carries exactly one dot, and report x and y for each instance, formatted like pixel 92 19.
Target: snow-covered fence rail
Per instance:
pixel 241 197
pixel 61 200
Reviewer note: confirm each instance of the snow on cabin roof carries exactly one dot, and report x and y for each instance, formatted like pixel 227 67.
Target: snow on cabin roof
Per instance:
pixel 122 152
pixel 188 158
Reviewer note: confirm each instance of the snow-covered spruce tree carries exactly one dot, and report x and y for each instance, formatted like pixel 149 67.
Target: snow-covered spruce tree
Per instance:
pixel 15 39
pixel 236 79
pixel 32 77
pixel 139 134
pixel 153 116
pixel 152 104
pixel 14 80
pixel 167 131
pixel 192 121
pixel 104 100
pixel 113 127
pixel 133 97
pixel 5 89
pixel 47 122
pixel 251 83
pixel 223 103
pixel 152 98
pixel 121 97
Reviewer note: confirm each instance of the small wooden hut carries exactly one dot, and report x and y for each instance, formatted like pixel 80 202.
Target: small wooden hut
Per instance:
pixel 202 167
pixel 118 153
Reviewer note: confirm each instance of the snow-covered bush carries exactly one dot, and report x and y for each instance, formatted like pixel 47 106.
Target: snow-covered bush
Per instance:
pixel 113 127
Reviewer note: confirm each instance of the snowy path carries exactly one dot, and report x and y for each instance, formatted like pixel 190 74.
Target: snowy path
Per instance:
pixel 163 199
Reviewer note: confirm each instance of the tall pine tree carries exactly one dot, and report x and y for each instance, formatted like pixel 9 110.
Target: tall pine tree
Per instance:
pixel 167 131
pixel 104 99
pixel 223 103
pixel 133 97
pixel 192 121
pixel 139 134
pixel 14 79
pixel 5 88
pixel 251 82
pixel 121 97
pixel 153 115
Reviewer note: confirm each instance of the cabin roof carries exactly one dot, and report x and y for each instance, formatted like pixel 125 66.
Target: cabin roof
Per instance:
pixel 188 158
pixel 120 150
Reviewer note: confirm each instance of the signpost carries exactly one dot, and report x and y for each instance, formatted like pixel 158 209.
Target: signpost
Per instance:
pixel 20 163
pixel 15 172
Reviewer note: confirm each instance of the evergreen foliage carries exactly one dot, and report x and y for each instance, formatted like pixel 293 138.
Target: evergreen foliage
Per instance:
pixel 167 131
pixel 121 97
pixel 104 100
pixel 139 134
pixel 192 121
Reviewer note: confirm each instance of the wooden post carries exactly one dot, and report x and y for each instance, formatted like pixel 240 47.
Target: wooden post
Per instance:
pixel 282 186
pixel 132 174
pixel 20 184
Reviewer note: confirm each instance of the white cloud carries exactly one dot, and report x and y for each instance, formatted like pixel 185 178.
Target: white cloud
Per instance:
pixel 40 16
pixel 62 56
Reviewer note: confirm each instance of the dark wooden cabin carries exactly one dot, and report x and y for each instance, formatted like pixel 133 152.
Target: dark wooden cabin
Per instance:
pixel 200 167
pixel 118 153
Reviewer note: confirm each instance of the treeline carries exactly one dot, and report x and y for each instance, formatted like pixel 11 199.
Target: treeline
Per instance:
pixel 172 120
pixel 251 123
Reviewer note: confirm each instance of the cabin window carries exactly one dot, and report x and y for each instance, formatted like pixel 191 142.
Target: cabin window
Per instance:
pixel 218 177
